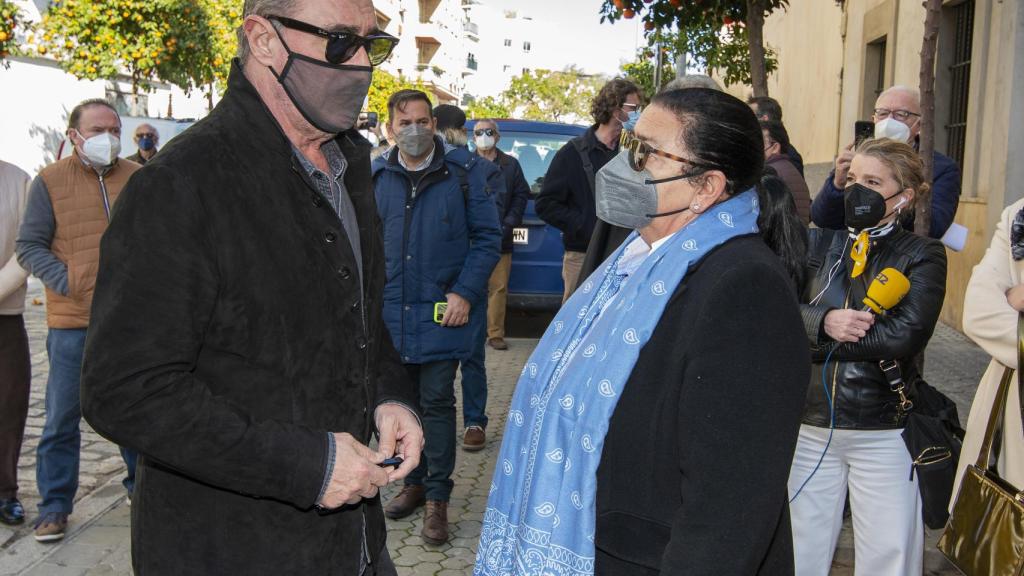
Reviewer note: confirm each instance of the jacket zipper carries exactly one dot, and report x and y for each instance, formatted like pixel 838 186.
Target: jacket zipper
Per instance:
pixel 835 369
pixel 410 201
pixel 106 199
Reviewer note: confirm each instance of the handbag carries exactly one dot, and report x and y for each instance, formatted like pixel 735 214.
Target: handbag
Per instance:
pixel 933 436
pixel 985 532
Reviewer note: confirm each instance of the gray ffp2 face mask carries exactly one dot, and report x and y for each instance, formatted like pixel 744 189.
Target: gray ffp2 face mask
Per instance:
pixel 627 198
pixel 415 140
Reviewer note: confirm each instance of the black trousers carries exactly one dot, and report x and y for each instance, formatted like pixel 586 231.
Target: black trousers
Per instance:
pixel 15 383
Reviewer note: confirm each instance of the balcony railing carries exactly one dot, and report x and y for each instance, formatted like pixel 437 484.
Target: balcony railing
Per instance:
pixel 471 27
pixel 471 63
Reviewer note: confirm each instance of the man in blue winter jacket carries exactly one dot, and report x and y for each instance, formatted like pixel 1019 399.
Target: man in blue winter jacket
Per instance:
pixel 897 115
pixel 442 239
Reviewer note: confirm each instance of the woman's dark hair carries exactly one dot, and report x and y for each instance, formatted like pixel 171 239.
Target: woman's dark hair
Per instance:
pixel 721 132
pixel 611 97
pixel 781 227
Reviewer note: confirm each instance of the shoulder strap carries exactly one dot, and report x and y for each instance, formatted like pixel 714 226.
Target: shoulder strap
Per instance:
pixel 995 417
pixel 588 167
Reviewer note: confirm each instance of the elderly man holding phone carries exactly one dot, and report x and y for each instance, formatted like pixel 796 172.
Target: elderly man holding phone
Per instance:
pixel 238 342
pixel 897 116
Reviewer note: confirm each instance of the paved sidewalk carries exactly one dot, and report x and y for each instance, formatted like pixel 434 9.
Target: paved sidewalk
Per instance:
pixel 98 541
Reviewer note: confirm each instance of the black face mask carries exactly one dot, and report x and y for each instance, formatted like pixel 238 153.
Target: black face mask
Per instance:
pixel 865 208
pixel 329 96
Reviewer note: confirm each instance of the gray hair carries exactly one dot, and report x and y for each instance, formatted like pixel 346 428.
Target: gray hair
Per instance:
pixel 692 81
pixel 913 92
pixel 260 8
pixel 489 121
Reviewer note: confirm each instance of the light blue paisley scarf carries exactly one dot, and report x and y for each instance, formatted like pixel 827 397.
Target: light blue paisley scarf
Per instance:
pixel 540 515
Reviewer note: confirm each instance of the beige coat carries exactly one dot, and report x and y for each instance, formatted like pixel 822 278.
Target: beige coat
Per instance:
pixel 13 195
pixel 992 324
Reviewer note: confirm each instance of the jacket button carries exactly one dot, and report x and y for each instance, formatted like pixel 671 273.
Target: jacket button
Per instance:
pixel 330 236
pixel 361 343
pixel 344 272
pixel 408 256
pixel 355 306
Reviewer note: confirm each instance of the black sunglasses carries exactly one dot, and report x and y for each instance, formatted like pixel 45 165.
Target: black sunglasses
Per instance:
pixel 640 151
pixel 484 132
pixel 342 46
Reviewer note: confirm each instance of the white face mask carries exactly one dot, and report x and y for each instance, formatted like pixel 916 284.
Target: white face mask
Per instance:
pixel 484 142
pixel 892 129
pixel 101 150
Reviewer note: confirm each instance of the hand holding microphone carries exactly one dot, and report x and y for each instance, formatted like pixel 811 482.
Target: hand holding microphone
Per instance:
pixel 884 293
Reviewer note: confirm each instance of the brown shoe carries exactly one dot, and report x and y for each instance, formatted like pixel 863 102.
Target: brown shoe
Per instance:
pixel 408 500
pixel 435 523
pixel 474 439
pixel 51 527
pixel 498 343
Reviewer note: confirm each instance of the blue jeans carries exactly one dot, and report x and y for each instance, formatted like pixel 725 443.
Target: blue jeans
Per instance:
pixel 58 454
pixel 434 383
pixel 474 381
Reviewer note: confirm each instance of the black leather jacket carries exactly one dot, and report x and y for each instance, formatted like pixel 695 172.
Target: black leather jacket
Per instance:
pixel 862 397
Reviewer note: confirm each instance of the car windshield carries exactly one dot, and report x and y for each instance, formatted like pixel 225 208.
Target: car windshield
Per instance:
pixel 534 152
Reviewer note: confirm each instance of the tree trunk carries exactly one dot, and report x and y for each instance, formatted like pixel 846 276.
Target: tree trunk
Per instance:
pixel 755 37
pixel 933 12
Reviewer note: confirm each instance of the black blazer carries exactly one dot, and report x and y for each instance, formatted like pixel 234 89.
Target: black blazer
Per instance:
pixel 692 479
pixel 228 339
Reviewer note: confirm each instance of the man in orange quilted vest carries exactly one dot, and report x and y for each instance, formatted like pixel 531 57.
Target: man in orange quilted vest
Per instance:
pixel 67 212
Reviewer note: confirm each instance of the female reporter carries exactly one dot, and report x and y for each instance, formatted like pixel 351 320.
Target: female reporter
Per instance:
pixel 851 433
pixel 652 429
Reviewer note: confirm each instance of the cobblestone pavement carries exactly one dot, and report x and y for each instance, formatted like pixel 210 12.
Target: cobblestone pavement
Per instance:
pixel 98 540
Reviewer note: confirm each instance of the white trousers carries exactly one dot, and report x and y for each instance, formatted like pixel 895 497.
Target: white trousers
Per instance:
pixel 888 531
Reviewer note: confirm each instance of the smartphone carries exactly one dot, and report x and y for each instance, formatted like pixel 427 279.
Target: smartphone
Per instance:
pixel 395 461
pixel 862 130
pixel 439 309
pixel 371 119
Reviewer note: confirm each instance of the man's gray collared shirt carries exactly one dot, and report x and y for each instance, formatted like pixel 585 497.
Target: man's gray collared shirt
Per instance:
pixel 332 187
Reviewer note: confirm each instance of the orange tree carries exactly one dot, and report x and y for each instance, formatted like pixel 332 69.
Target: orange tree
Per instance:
pixel 717 33
pixel 10 22
pixel 172 40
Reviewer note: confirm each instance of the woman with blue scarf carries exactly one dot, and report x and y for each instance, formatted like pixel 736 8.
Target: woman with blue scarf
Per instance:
pixel 652 429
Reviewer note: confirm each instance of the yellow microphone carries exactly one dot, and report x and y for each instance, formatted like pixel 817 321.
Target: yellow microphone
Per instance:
pixel 886 291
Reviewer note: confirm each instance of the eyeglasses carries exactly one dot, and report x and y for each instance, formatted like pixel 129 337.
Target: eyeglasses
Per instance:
pixel 640 151
pixel 632 107
pixel 145 134
pixel 484 132
pixel 342 46
pixel 901 115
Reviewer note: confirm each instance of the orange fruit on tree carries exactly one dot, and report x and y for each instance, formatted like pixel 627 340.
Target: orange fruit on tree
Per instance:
pixel 628 13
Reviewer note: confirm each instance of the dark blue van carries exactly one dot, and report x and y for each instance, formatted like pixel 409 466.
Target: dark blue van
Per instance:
pixel 535 282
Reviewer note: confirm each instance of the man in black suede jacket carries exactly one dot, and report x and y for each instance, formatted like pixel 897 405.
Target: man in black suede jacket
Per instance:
pixel 237 340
